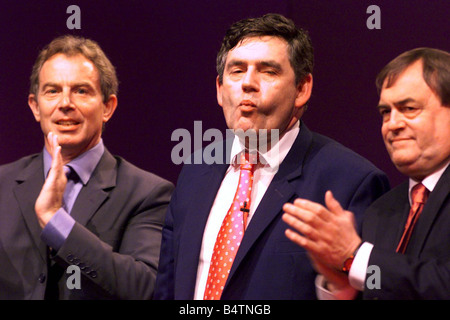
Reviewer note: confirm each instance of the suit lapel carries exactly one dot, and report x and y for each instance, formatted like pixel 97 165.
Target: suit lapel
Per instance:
pixel 97 190
pixel 30 182
pixel 391 224
pixel 191 237
pixel 281 190
pixel 430 212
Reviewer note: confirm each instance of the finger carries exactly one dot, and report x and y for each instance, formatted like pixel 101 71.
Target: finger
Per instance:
pixel 297 238
pixel 302 241
pixel 50 139
pixel 332 204
pixel 56 152
pixel 301 227
pixel 317 210
pixel 307 216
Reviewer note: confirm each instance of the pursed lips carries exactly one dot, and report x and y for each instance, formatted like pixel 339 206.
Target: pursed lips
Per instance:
pixel 247 105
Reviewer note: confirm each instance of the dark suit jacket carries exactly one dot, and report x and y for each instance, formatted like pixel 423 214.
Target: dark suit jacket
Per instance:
pixel 423 272
pixel 267 264
pixel 115 241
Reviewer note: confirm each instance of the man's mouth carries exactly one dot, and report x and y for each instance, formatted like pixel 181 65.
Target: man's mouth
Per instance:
pixel 399 140
pixel 67 124
pixel 247 105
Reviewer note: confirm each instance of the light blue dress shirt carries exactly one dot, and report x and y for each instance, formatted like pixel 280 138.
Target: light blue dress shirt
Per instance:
pixel 58 228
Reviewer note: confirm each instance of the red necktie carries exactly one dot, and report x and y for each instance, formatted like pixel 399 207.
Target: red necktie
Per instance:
pixel 419 195
pixel 231 232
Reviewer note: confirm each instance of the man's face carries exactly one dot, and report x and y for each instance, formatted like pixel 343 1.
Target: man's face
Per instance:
pixel 416 126
pixel 69 103
pixel 259 89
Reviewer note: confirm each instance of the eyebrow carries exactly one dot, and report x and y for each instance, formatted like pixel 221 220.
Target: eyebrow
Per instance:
pixel 264 63
pixel 76 85
pixel 398 103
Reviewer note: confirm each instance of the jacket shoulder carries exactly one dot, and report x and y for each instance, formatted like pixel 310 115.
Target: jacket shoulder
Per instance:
pixel 12 168
pixel 334 155
pixel 138 175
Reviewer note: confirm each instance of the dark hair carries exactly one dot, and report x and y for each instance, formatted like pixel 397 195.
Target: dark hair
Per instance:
pixel 301 55
pixel 436 70
pixel 71 46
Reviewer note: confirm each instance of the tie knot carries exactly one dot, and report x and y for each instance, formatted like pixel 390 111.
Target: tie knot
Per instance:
pixel 248 161
pixel 71 174
pixel 419 194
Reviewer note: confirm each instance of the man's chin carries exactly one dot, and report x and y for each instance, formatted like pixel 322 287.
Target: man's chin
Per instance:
pixel 407 168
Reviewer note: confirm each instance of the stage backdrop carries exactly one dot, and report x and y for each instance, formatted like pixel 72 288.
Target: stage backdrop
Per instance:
pixel 165 51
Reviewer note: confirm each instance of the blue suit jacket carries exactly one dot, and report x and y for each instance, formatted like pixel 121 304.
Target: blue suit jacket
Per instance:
pixel 267 264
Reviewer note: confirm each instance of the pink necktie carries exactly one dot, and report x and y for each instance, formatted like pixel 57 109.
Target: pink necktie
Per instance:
pixel 230 234
pixel 419 195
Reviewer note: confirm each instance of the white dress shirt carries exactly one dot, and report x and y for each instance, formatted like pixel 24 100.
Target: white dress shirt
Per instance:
pixel 262 178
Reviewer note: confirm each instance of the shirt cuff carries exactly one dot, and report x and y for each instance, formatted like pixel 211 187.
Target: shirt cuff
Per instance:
pixel 358 270
pixel 57 229
pixel 323 293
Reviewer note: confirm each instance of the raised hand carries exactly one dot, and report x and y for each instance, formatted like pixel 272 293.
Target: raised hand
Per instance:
pixel 327 233
pixel 51 195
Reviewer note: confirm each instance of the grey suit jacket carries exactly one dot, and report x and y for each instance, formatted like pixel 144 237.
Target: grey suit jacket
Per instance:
pixel 115 241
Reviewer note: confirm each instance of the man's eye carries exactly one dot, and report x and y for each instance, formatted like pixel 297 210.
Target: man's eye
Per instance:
pixel 81 91
pixel 384 112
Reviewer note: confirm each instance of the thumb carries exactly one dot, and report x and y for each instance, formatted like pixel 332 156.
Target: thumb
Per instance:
pixel 332 204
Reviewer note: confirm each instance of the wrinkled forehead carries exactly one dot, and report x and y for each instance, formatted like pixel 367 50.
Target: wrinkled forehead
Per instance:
pixel 259 48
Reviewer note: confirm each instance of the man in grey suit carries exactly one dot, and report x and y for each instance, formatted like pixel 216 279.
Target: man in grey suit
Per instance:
pixel 104 218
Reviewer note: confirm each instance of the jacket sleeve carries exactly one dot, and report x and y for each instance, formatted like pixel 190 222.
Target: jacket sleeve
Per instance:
pixel 127 271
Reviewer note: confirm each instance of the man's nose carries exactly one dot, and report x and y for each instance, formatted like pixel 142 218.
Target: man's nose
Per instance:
pixel 250 81
pixel 65 101
pixel 396 120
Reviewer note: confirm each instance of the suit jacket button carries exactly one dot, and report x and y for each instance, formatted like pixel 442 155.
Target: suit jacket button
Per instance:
pixel 42 278
pixel 93 274
pixel 70 257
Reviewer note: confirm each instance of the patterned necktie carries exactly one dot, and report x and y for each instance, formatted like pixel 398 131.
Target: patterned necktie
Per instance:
pixel 231 233
pixel 419 195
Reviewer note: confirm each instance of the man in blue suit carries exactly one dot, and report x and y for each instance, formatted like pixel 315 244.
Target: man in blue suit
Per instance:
pixel 264 82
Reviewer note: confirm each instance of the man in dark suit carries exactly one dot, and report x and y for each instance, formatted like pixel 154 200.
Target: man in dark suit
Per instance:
pixel 406 233
pixel 264 82
pixel 95 234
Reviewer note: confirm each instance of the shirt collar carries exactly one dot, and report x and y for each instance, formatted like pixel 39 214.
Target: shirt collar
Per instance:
pixel 429 182
pixel 83 165
pixel 273 157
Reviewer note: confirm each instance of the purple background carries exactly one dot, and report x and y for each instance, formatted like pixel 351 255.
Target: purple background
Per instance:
pixel 164 52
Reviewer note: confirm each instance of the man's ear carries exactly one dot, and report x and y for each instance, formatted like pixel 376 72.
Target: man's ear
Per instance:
pixel 33 104
pixel 110 107
pixel 304 89
pixel 219 91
